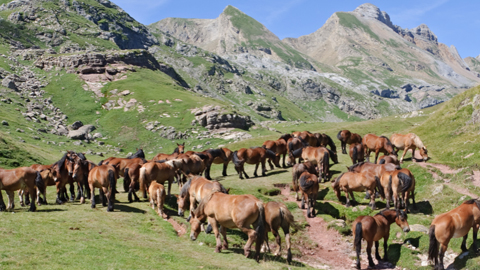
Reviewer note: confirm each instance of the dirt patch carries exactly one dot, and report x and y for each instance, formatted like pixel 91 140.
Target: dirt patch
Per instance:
pixel 179 228
pixel 333 251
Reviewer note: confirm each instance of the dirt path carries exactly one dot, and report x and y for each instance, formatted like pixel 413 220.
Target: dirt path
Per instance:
pixel 333 251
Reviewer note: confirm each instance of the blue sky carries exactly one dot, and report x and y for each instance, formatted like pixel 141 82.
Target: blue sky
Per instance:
pixel 454 22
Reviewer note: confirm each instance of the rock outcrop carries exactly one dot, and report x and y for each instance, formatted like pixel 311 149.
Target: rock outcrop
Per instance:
pixel 214 118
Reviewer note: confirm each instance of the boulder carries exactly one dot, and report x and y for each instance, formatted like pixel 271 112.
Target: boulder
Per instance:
pixel 76 125
pixel 81 133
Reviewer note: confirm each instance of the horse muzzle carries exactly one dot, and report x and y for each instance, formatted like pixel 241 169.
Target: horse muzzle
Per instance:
pixel 407 229
pixel 192 237
pixel 180 213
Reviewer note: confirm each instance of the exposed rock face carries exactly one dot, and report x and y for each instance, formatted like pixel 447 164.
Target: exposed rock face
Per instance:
pixel 213 118
pixel 81 133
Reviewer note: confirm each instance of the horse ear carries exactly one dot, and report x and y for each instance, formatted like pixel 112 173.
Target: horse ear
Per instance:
pixel 178 144
pixel 183 143
pixel 228 190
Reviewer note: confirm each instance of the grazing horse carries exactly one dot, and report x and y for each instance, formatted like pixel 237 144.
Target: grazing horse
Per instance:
pixel 220 160
pixel 179 150
pixel 104 178
pixel 453 224
pixel 373 170
pixel 318 156
pixel 157 197
pixel 374 143
pixel 196 188
pixel 357 153
pixel 409 141
pixel 297 170
pixel 398 185
pixel 231 211
pixel 353 181
pixel 294 148
pixel 372 229
pixel 279 147
pixel 309 188
pixel 160 172
pixel 20 178
pixel 325 140
pixel 388 159
pixel 346 137
pixel 278 216
pixel 211 155
pixel 256 156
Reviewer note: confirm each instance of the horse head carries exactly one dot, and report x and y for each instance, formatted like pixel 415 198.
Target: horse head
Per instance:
pixel 401 220
pixel 424 153
pixel 180 148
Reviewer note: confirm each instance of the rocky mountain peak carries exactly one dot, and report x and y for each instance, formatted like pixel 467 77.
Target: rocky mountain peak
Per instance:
pixel 371 11
pixel 424 32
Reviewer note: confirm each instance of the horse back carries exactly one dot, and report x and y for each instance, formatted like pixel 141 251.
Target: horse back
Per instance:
pixel 456 222
pixel 17 178
pixel 233 211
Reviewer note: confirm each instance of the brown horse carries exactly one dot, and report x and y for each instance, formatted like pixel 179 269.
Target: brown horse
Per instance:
pixel 211 156
pixel 453 224
pixel 357 153
pixel 278 216
pixel 19 178
pixel 409 141
pixel 46 172
pixel 388 159
pixel 297 170
pixel 220 160
pixel 256 156
pixel 374 143
pixel 160 172
pixel 325 140
pixel 309 188
pixel 346 137
pixel 196 188
pixel 81 170
pixel 193 164
pixel 62 174
pixel 157 197
pixel 279 147
pixel 179 150
pixel 318 156
pixel 231 211
pixel 352 181
pixel 295 146
pixel 372 229
pixel 131 176
pixel 372 170
pixel 397 184
pixel 104 178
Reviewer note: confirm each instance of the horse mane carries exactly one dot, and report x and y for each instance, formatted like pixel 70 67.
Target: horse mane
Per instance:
pixel 285 136
pixel 337 181
pixel 61 162
pixel 330 142
pixel 215 152
pixel 296 152
pixel 476 201
pixel 200 155
pixel 339 136
pixel 388 140
pixel 270 153
pixel 176 151
pixel 417 141
pixel 138 154
pixel 354 166
pixel 161 161
pixel 81 156
pixel 186 188
pixel 201 206
pixel 303 181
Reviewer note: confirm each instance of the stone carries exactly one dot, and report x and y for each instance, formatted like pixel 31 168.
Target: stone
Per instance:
pixel 4 123
pixel 418 228
pixel 76 125
pixel 20 130
pixel 437 189
pixel 97 135
pixel 77 143
pixel 81 133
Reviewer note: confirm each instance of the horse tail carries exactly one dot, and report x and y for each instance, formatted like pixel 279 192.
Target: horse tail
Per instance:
pixel 235 158
pixel 379 187
pixel 433 246
pixel 126 180
pixel 40 183
pixel 100 163
pixel 290 147
pixel 326 164
pixel 382 161
pixel 337 182
pixel 406 181
pixel 112 180
pixel 287 217
pixel 304 184
pixel 358 237
pixel 260 230
pixel 339 135
pixel 355 154
pixel 389 188
pixel 264 146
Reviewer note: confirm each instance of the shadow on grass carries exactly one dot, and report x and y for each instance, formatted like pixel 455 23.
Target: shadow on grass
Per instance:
pixel 329 209
pixel 276 172
pixel 394 251
pixel 423 207
pixel 462 263
pixel 50 210
pixel 267 257
pixel 322 193
pixel 129 209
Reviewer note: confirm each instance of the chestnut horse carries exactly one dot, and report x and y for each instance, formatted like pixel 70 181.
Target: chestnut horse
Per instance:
pixel 196 188
pixel 373 170
pixel 294 148
pixel 160 172
pixel 20 178
pixel 453 224
pixel 357 153
pixel 297 170
pixel 131 176
pixel 157 197
pixel 388 159
pixel 409 141
pixel 255 155
pixel 374 143
pixel 46 172
pixel 104 178
pixel 179 150
pixel 279 147
pixel 231 211
pixel 62 174
pixel 309 188
pixel 353 181
pixel 220 160
pixel 372 229
pixel 278 216
pixel 318 156
pixel 398 184
pixel 346 137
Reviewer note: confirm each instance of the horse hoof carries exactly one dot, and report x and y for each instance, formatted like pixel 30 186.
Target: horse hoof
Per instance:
pixel 217 250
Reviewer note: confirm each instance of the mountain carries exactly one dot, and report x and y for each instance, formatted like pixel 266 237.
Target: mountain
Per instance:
pixel 473 64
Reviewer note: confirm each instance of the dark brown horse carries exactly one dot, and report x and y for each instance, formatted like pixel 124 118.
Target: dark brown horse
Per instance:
pixel 374 143
pixel 278 216
pixel 279 147
pixel 231 211
pixel 453 224
pixel 62 174
pixel 211 156
pixel 297 170
pixel 353 181
pixel 131 176
pixel 357 153
pixel 256 156
pixel 319 156
pixel 388 159
pixel 104 178
pixel 196 188
pixel 325 140
pixel 372 229
pixel 220 160
pixel 295 146
pixel 346 137
pixel 20 178
pixel 396 185
pixel 309 188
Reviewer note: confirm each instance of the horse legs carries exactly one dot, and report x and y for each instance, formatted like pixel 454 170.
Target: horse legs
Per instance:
pixel 207 172
pixel 11 203
pixel 2 203
pixel 353 197
pixel 170 182
pixel 103 196
pixel 72 192
pixel 347 204
pixel 252 236
pixel 369 253
pixel 214 225
pixel 20 197
pixel 271 164
pixel 376 156
pixel 286 231
pixel 377 255
pixel 464 243
pixel 385 247
pixel 33 197
pixel 372 200
pixel 313 200
pixel 110 194
pixel 223 231
pixel 92 194
pixel 264 169
pixel 256 168
pixel 443 248
pixel 475 232
pixel 303 200
pixel 404 152
pixel 224 172
pixel 278 240
pixel 344 147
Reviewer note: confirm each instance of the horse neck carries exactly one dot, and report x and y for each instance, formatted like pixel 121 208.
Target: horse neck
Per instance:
pixel 418 142
pixel 389 215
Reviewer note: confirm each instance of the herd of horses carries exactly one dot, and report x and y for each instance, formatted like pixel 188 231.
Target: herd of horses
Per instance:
pixel 308 153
